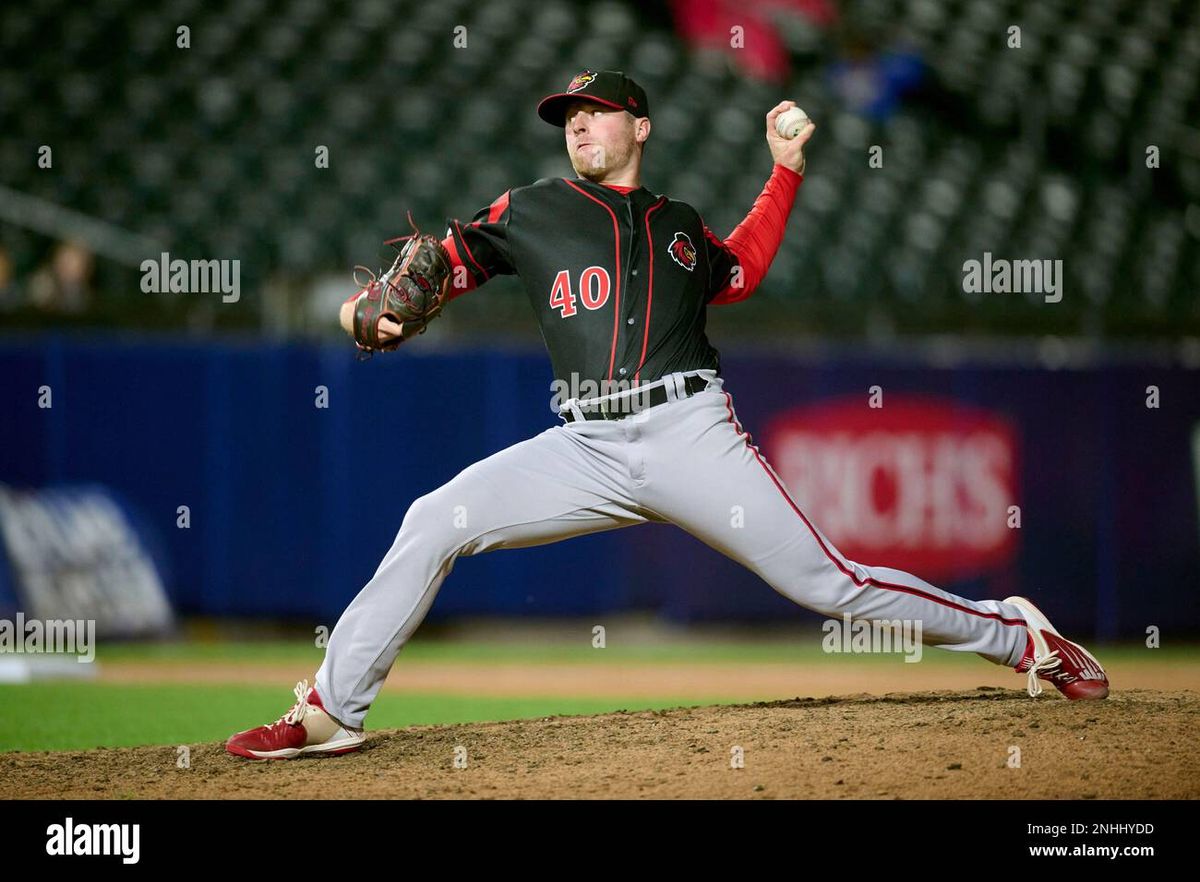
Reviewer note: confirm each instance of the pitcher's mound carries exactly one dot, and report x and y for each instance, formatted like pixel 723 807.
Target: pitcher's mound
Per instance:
pixel 987 743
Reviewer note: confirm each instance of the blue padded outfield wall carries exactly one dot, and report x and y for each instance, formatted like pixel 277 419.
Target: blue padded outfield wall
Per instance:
pixel 292 506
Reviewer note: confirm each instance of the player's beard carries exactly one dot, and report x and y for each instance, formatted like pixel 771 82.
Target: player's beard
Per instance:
pixel 596 164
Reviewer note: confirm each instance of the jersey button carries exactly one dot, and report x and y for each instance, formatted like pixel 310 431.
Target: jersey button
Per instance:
pixel 635 272
pixel 622 370
pixel 629 321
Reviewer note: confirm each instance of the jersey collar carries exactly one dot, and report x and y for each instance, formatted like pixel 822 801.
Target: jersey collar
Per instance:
pixel 638 195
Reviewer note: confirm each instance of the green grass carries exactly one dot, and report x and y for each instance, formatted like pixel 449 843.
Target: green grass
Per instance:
pixel 473 651
pixel 807 649
pixel 79 716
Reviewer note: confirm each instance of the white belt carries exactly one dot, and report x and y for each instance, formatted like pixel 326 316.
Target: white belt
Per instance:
pixel 673 382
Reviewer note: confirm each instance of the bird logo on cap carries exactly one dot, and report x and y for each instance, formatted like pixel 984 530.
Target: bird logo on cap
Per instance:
pixel 581 80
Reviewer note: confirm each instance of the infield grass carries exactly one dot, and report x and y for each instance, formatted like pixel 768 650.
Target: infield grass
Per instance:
pixel 74 715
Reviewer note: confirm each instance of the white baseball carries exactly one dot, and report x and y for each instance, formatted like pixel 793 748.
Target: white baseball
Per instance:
pixel 790 122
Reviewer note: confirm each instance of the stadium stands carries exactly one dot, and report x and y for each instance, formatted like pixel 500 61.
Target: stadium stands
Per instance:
pixel 1032 152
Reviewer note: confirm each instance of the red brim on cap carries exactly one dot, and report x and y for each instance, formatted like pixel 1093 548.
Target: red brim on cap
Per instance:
pixel 553 108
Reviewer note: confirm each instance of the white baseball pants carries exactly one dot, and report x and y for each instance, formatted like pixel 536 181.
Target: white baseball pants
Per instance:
pixel 686 462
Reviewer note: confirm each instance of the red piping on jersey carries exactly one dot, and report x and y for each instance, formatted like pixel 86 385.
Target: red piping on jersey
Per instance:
pixel 649 290
pixel 455 262
pixel 612 358
pixel 458 227
pixel 495 210
pixel 891 586
pixel 498 208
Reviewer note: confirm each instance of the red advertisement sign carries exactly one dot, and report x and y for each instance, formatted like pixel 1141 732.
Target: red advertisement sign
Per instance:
pixel 920 484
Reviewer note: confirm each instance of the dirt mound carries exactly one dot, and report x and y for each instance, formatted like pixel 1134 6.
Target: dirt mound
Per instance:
pixel 986 743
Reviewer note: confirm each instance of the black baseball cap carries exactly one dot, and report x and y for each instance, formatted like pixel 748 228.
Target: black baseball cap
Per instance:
pixel 609 87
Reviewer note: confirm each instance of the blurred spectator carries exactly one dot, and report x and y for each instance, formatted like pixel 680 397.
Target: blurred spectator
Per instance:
pixel 760 50
pixel 10 294
pixel 66 284
pixel 871 82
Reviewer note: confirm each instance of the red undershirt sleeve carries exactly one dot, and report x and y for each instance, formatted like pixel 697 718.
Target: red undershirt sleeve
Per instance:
pixel 753 244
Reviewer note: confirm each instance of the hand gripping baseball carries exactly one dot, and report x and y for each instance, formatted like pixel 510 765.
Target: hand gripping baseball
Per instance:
pixel 412 293
pixel 788 151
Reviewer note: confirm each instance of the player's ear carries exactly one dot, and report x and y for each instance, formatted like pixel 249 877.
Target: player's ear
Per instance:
pixel 641 130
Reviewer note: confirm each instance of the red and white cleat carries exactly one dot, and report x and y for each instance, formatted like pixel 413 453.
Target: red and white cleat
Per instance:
pixel 305 729
pixel 1073 670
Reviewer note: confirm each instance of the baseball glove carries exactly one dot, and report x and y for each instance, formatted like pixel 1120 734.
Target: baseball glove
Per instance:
pixel 411 293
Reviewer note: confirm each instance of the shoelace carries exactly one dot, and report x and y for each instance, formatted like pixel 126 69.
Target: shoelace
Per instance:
pixel 300 709
pixel 1048 662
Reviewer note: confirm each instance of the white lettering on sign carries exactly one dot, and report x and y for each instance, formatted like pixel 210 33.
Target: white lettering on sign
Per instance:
pixel 887 489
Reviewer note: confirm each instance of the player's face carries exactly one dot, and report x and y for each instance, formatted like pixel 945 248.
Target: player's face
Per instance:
pixel 600 139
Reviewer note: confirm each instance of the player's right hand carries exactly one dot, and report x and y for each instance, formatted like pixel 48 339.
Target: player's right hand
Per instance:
pixel 785 152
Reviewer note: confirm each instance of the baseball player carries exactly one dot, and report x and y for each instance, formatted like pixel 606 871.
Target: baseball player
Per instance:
pixel 620 279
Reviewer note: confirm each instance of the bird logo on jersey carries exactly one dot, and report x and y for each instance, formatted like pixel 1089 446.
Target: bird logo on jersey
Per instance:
pixel 581 80
pixel 683 252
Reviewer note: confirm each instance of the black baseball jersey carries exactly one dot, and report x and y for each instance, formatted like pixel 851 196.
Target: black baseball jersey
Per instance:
pixel 619 283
